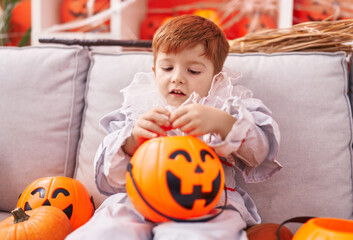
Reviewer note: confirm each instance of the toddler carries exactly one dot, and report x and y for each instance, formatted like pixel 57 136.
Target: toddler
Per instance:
pixel 187 93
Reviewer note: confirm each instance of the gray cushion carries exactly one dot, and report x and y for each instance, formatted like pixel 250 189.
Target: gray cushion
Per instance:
pixel 307 93
pixel 41 102
pixel 4 215
pixel 108 74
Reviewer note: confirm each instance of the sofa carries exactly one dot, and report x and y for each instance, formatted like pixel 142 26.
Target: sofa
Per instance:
pixel 52 97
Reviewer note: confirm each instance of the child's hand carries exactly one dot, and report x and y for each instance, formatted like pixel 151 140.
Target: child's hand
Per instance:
pixel 152 124
pixel 196 119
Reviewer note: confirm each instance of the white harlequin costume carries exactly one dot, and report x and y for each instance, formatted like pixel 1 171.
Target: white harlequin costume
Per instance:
pixel 249 149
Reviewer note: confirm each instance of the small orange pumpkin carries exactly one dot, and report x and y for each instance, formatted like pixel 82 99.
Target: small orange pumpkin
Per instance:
pixel 42 223
pixel 65 193
pixel 177 177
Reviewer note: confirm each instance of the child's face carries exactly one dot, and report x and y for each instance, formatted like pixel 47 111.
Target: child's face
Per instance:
pixel 179 75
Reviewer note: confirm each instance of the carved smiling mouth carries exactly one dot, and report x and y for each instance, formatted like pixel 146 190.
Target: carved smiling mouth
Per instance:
pixel 187 200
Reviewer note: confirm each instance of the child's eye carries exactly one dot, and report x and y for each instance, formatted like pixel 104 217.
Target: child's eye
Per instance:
pixel 167 69
pixel 194 72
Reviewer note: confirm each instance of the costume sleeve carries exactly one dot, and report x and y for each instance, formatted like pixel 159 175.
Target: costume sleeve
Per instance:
pixel 253 142
pixel 111 161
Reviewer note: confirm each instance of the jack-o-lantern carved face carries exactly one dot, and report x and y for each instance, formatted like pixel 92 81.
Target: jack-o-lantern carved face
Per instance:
pixel 67 194
pixel 42 196
pixel 180 177
pixel 185 193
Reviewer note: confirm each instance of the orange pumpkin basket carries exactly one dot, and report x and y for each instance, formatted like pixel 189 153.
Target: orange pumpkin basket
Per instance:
pixel 175 178
pixel 65 193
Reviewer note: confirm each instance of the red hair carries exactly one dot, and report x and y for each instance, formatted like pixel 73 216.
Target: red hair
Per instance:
pixel 187 31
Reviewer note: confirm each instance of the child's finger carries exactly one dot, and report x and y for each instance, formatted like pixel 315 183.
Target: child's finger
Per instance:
pixel 181 121
pixel 144 133
pixel 151 127
pixel 194 132
pixel 177 114
pixel 162 110
pixel 188 128
pixel 158 118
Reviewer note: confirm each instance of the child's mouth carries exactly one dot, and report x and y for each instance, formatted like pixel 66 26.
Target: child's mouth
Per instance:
pixel 177 92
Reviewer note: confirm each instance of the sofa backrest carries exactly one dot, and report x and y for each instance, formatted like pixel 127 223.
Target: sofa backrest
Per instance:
pixel 307 93
pixel 43 91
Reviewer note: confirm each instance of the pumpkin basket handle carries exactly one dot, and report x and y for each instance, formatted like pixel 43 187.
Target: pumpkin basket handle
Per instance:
pixel 302 219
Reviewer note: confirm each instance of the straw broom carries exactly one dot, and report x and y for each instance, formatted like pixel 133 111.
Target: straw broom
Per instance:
pixel 322 36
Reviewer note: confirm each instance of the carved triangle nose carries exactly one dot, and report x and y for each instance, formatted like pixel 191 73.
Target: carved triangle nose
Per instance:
pixel 46 203
pixel 198 169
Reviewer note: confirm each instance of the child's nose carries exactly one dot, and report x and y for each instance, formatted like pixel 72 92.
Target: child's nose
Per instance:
pixel 177 77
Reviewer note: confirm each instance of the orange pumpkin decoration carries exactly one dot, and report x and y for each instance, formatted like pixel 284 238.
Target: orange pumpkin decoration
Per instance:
pixel 71 10
pixel 243 26
pixel 325 228
pixel 65 193
pixel 20 21
pixel 312 10
pixel 150 25
pixel 174 178
pixel 42 223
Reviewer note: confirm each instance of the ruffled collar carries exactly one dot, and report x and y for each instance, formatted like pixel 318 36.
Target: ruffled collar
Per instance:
pixel 142 94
